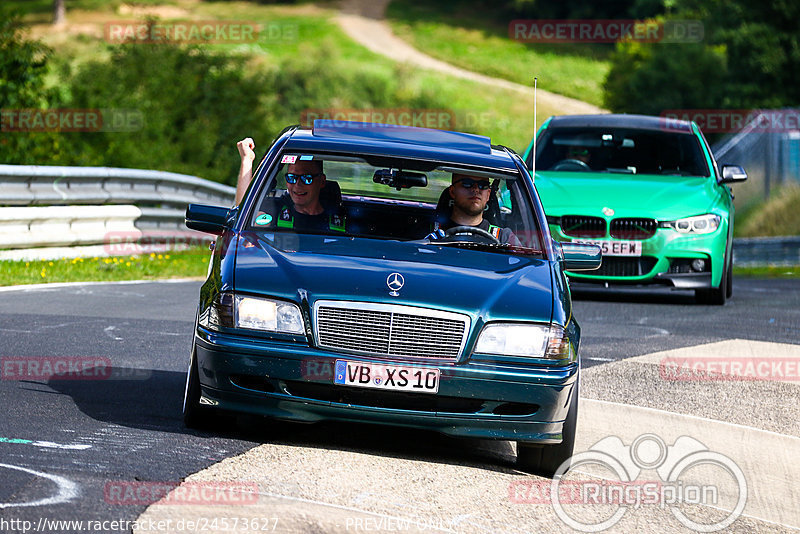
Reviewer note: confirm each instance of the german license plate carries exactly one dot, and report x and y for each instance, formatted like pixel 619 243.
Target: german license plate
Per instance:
pixel 615 248
pixel 392 377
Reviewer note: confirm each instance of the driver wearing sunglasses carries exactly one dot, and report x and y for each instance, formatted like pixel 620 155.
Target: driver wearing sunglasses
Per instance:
pixel 469 196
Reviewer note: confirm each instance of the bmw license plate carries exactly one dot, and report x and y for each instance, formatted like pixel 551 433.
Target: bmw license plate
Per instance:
pixel 615 248
pixel 393 377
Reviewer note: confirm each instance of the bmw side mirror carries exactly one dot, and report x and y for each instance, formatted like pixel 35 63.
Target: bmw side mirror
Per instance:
pixel 580 257
pixel 733 173
pixel 209 219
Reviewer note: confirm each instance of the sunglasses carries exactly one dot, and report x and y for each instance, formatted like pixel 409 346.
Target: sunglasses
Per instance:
pixel 467 183
pixel 292 178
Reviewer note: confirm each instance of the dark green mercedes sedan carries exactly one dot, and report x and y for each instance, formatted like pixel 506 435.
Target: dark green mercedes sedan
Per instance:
pixel 391 275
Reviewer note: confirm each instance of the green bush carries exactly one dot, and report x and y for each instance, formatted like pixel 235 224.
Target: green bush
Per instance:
pixel 749 58
pixel 23 66
pixel 649 79
pixel 194 105
pixel 778 216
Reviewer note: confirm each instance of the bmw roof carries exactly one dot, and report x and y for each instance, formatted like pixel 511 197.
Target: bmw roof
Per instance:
pixel 636 122
pixel 401 141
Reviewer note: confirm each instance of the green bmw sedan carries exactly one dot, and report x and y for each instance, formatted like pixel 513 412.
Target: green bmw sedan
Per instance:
pixel 648 191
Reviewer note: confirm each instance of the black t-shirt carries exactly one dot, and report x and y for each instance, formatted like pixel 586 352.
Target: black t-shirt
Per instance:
pixel 303 222
pixel 281 213
pixel 504 235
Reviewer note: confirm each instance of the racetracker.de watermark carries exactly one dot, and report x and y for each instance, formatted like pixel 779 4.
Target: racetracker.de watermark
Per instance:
pixel 66 368
pixel 437 119
pixel 199 32
pixel 610 479
pixel 71 120
pixel 605 31
pixel 130 243
pixel 139 493
pixel 715 369
pixel 736 120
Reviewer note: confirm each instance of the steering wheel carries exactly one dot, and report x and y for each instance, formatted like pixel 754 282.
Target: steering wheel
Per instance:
pixel 571 165
pixel 472 230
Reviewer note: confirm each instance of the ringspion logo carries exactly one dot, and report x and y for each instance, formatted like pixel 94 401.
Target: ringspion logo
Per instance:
pixel 611 479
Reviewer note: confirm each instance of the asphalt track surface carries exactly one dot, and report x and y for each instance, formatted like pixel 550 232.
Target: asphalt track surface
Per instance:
pixel 67 445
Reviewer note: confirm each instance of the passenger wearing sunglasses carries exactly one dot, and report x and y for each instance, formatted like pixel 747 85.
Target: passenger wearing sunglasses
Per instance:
pixel 301 208
pixel 469 196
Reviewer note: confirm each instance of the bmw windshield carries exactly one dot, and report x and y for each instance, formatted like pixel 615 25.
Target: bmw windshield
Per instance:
pixel 620 150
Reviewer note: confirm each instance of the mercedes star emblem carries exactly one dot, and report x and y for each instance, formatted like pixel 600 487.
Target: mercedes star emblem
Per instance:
pixel 395 282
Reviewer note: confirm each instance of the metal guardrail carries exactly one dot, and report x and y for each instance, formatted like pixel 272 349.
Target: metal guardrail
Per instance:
pixel 160 198
pixel 38 185
pixel 54 206
pixel 778 251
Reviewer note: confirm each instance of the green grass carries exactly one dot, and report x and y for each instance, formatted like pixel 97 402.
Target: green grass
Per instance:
pixel 191 263
pixel 477 108
pixel 767 272
pixel 456 32
pixel 778 216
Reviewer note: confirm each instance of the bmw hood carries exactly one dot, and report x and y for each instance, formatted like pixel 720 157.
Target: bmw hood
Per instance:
pixel 481 284
pixel 658 197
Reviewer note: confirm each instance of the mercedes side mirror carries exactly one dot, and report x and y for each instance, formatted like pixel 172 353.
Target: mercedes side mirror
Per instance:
pixel 209 219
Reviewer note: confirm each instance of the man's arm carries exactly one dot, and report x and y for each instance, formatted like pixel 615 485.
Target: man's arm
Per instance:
pixel 246 153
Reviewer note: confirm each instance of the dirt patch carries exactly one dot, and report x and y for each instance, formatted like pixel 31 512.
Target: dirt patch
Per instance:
pixel 162 12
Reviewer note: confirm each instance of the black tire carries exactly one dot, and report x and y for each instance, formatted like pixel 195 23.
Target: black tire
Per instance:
pixel 196 415
pixel 545 460
pixel 729 281
pixel 716 295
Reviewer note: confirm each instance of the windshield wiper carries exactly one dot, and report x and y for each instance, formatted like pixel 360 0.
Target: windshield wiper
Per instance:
pixel 490 247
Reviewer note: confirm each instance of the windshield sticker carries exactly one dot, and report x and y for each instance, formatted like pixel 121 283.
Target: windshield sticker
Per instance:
pixel 306 158
pixel 264 219
pixel 287 158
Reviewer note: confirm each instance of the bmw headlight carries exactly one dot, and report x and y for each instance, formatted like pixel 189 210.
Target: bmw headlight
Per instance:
pixel 254 313
pixel 700 224
pixel 534 341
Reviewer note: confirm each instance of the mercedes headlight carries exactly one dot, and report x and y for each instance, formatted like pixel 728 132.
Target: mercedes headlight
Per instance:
pixel 527 340
pixel 700 224
pixel 254 313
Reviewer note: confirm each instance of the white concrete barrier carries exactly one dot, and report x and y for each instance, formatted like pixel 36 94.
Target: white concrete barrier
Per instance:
pixel 64 226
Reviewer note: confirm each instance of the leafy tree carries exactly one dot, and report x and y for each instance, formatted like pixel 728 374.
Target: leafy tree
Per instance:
pixel 23 66
pixel 650 79
pixel 750 57
pixel 181 108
